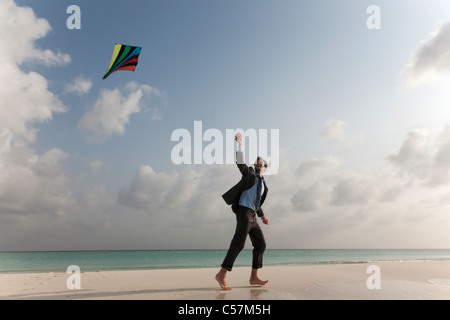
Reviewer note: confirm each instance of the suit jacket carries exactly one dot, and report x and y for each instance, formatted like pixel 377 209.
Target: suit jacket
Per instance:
pixel 247 181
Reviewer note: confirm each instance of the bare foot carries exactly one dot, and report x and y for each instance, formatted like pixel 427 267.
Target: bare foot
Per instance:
pixel 222 283
pixel 257 281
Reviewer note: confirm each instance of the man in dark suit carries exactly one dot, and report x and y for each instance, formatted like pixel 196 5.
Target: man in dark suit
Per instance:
pixel 246 199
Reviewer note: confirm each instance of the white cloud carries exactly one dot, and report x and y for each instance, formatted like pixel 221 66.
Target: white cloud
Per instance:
pixel 149 190
pixel 311 193
pixel 30 183
pixel 333 130
pixel 19 29
pixel 182 209
pixel 79 86
pixel 414 155
pixel 96 166
pixel 431 59
pixel 311 198
pixel 5 142
pixel 424 159
pixel 353 189
pixel 112 111
pixel 316 166
pixel 25 100
pixel 182 190
pixel 25 96
pixel 419 166
pixel 95 198
pixel 379 206
pixel 336 132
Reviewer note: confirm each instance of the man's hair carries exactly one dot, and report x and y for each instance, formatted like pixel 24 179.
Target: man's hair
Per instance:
pixel 261 158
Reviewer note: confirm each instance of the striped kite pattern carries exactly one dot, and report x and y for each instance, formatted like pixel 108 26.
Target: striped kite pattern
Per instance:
pixel 124 58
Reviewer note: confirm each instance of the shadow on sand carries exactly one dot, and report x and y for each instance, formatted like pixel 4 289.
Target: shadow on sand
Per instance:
pixel 81 294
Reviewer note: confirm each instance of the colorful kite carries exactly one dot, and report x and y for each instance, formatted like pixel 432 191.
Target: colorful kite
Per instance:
pixel 123 58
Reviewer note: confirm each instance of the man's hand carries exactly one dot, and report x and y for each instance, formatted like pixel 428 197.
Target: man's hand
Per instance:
pixel 265 220
pixel 238 138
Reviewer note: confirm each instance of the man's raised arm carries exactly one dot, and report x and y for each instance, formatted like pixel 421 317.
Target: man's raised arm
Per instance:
pixel 240 155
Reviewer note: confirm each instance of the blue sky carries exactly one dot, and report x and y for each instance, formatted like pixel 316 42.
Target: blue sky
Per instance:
pixel 362 116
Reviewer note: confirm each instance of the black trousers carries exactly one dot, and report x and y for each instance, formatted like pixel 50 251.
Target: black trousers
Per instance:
pixel 246 224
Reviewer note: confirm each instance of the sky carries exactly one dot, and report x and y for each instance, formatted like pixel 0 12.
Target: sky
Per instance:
pixel 359 98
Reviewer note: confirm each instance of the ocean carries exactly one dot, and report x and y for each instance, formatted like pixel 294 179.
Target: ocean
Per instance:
pixel 59 261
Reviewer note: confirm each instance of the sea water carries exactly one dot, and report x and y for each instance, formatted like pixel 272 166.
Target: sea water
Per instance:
pixel 58 261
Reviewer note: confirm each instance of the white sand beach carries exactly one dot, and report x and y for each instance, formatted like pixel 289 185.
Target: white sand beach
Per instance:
pixel 399 281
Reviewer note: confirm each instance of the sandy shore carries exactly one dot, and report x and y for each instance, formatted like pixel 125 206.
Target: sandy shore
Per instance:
pixel 399 280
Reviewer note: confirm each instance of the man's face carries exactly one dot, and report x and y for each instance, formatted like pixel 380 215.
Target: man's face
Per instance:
pixel 260 166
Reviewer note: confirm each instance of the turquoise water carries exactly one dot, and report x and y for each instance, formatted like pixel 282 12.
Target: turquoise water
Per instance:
pixel 131 260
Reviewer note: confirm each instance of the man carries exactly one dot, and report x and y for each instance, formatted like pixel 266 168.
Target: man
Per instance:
pixel 246 199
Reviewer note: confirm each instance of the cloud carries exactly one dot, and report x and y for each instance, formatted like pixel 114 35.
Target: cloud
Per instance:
pixel 19 29
pixel 26 99
pixel 336 132
pixel 422 162
pixel 311 198
pixel 149 190
pixel 79 86
pixel 311 193
pixel 96 166
pixel 30 183
pixel 410 178
pixel 182 209
pixel 183 190
pixel 112 111
pixel 413 155
pixel 36 191
pixel 424 159
pixel 353 189
pixel 315 166
pixel 431 59
pixel 333 130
